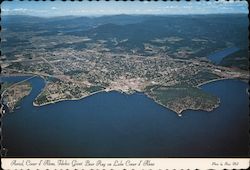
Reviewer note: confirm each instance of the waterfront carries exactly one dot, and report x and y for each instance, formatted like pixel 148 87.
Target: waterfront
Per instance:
pixel 120 125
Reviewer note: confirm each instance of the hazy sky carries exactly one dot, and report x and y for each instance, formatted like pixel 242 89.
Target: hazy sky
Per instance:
pixel 94 8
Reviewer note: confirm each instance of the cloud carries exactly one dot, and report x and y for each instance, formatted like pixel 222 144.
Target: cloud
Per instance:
pixel 5 10
pixel 53 8
pixel 192 7
pixel 15 11
pixel 227 2
pixel 20 9
pixel 23 11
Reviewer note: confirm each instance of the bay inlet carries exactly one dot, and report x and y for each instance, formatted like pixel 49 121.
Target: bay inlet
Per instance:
pixel 119 125
pixel 219 55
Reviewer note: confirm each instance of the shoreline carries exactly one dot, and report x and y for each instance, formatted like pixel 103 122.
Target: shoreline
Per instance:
pixel 60 100
pixel 178 112
pixel 74 99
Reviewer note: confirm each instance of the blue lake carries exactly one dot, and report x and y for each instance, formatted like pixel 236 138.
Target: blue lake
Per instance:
pixel 219 55
pixel 119 125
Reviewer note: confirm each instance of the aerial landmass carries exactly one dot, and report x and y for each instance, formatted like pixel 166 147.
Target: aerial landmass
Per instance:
pixel 168 68
pixel 13 94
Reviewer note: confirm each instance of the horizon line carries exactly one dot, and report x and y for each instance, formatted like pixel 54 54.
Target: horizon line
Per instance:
pixel 101 15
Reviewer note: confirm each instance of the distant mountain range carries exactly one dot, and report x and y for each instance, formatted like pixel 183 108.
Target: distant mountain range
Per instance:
pixel 221 30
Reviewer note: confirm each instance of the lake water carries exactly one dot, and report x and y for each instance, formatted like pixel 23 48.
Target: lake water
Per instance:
pixel 119 125
pixel 218 56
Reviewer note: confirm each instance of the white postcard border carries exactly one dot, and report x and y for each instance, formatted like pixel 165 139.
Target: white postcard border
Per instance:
pixel 124 163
